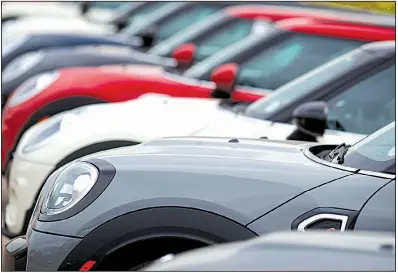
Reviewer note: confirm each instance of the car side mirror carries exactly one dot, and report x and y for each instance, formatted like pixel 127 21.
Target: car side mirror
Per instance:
pixel 310 119
pixel 224 76
pixel 185 55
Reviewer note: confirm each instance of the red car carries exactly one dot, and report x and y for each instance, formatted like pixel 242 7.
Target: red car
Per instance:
pixel 287 50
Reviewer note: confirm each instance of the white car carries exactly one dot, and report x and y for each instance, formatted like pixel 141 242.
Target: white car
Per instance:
pixel 47 17
pixel 14 10
pixel 88 129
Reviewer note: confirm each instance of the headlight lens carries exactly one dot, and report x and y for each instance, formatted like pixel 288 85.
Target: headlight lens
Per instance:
pixel 21 64
pixel 34 143
pixel 9 45
pixel 39 139
pixel 72 184
pixel 32 86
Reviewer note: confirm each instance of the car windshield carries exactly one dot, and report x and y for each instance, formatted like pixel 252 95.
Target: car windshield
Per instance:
pixel 107 5
pixel 142 13
pixel 223 37
pixel 375 152
pixel 291 58
pixel 302 86
pixel 210 37
pixel 270 67
pixel 193 15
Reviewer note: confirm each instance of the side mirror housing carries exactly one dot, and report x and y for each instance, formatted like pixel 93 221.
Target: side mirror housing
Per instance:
pixel 310 119
pixel 185 55
pixel 224 76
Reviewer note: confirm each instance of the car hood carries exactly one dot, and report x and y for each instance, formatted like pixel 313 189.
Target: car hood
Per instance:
pixel 270 252
pixel 52 24
pixel 148 117
pixel 241 179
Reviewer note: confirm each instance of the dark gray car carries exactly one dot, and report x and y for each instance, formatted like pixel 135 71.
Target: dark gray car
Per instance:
pixel 123 208
pixel 291 251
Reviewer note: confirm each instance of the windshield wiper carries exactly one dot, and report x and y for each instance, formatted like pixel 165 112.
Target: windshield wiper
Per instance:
pixel 337 155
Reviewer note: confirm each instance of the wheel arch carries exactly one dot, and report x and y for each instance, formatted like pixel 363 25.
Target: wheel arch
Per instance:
pixel 160 222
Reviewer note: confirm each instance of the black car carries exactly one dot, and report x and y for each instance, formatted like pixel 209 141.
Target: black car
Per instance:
pixel 123 208
pixel 291 251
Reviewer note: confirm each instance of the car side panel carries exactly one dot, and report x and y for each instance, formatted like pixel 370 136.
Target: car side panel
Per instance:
pixel 349 193
pixel 379 212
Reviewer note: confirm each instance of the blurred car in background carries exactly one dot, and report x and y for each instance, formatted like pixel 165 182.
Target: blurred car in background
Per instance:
pixel 123 208
pixel 287 50
pixel 220 30
pixel 44 17
pixel 346 84
pixel 12 11
pixel 15 44
pixel 291 251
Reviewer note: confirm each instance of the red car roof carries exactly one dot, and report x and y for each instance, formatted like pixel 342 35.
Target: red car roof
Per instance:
pixel 338 29
pixel 276 13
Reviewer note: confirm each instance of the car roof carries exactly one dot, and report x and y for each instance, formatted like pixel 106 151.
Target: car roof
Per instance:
pixel 284 12
pixel 337 29
pixel 385 48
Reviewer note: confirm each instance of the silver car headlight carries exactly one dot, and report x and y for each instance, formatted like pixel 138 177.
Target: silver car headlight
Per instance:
pixel 21 64
pixel 32 87
pixel 10 43
pixel 71 185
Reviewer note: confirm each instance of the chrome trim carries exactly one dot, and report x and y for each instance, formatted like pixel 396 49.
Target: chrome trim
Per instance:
pixel 378 174
pixel 311 156
pixel 343 218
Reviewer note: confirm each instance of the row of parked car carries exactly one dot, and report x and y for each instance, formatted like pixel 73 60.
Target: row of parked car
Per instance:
pixel 132 130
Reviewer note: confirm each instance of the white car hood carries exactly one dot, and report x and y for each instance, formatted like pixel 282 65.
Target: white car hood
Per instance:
pixel 52 24
pixel 11 9
pixel 151 116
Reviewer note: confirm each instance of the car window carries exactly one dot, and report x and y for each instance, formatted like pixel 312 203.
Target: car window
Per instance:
pixel 290 59
pixel 183 19
pixel 366 106
pixel 223 37
pixel 375 152
pixel 107 5
pixel 305 84
pixel 144 11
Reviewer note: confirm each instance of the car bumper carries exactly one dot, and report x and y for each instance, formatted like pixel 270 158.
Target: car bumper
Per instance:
pixel 25 182
pixel 22 252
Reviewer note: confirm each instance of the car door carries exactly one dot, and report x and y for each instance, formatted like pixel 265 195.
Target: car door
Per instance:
pixel 378 213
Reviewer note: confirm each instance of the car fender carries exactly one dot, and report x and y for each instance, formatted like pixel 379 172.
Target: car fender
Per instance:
pixel 53 108
pixel 155 222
